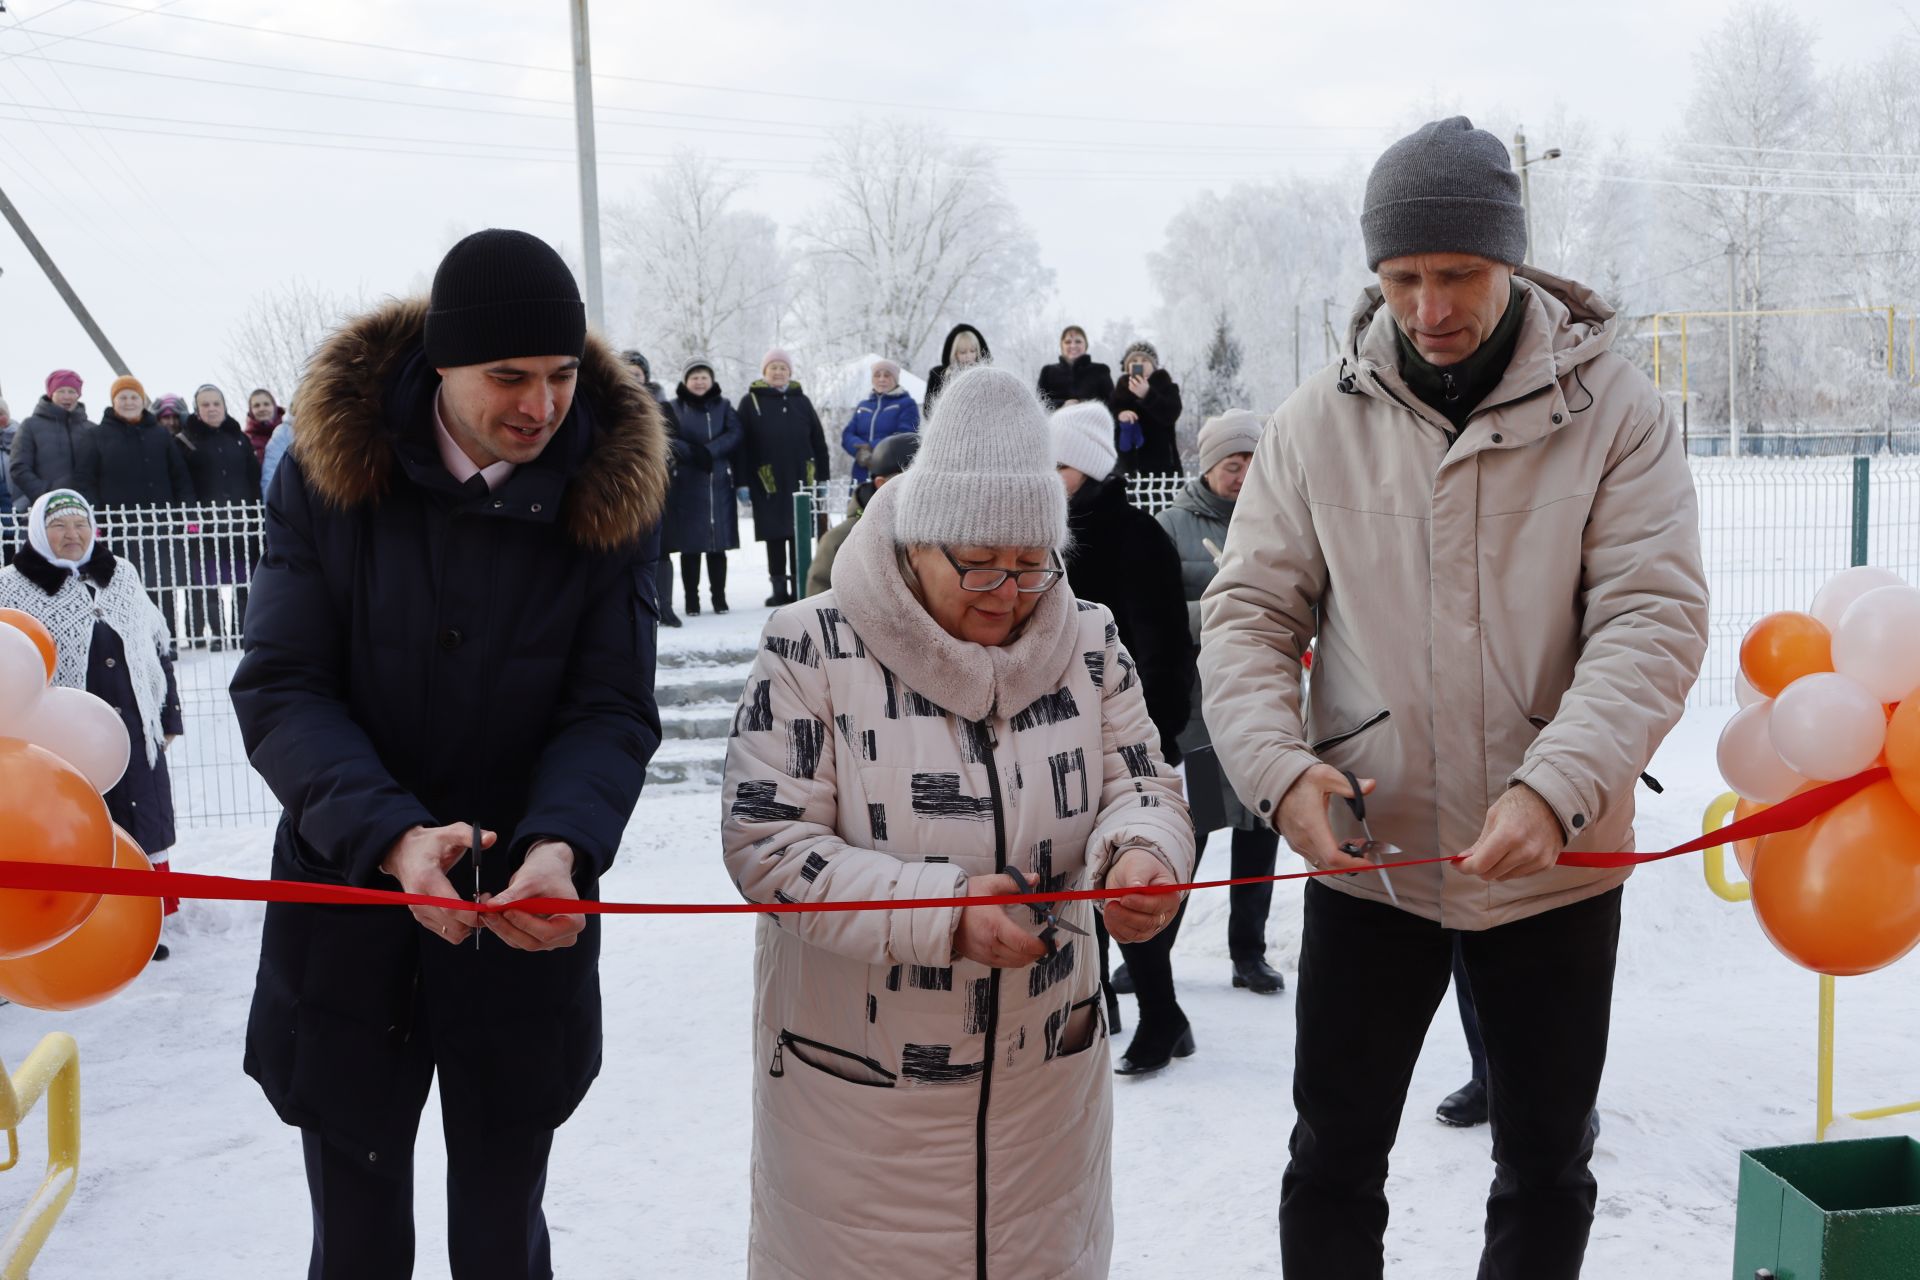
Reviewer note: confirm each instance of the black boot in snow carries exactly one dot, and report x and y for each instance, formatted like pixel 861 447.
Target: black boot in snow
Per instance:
pixel 719 600
pixel 1257 976
pixel 1465 1107
pixel 1155 1045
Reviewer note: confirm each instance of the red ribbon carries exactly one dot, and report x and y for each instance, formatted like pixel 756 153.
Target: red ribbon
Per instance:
pixel 1788 815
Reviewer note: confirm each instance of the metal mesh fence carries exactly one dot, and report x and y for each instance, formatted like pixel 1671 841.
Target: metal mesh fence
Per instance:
pixel 1772 531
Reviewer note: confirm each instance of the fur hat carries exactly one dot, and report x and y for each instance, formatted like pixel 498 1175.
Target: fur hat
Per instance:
pixel 984 474
pixel 1083 439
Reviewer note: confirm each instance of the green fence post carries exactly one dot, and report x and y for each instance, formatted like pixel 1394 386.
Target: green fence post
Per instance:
pixel 1862 486
pixel 802 540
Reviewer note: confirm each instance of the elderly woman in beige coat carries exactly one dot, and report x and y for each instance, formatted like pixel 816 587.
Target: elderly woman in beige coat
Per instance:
pixel 933 1095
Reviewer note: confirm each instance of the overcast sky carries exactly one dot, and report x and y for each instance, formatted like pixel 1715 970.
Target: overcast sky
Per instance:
pixel 1109 118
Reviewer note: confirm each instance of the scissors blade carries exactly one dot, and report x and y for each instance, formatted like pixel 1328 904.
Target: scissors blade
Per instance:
pixel 1374 851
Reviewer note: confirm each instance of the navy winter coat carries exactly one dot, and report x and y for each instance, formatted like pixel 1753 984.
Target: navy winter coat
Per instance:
pixel 422 652
pixel 786 447
pixel 1081 378
pixel 876 418
pixel 702 512
pixel 49 451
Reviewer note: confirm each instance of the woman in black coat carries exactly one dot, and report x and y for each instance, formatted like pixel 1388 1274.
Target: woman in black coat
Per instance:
pixel 785 448
pixel 226 472
pixel 111 642
pixel 702 516
pixel 1146 414
pixel 133 462
pixel 965 347
pixel 1075 376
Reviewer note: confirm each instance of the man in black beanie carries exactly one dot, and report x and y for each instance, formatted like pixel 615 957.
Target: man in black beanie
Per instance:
pixel 1483 518
pixel 448 683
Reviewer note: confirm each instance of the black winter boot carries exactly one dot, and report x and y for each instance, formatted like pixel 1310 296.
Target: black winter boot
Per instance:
pixel 1156 1044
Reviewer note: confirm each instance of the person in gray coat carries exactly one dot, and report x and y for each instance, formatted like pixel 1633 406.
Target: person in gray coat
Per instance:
pixel 53 444
pixel 1197 517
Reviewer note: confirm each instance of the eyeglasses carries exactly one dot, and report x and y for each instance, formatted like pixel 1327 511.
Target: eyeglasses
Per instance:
pixel 1029 581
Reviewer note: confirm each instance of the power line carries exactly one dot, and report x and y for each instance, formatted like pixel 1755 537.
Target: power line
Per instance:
pixel 1564 175
pixel 1107 121
pixel 41 17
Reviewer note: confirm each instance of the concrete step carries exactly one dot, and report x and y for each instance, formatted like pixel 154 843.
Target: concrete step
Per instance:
pixel 712 720
pixel 682 764
pixel 707 685
pixel 722 656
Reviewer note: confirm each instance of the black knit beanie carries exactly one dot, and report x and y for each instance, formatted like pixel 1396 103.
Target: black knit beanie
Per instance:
pixel 503 294
pixel 1447 187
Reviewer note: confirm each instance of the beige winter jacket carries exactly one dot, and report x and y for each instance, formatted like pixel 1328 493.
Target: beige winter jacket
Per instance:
pixel 1527 606
pixel 916 1114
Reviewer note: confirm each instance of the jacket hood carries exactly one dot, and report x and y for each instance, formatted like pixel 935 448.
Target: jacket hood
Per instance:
pixel 46 409
pixel 110 418
pixel 1567 325
pixel 347 448
pixel 946 348
pixel 793 387
pixel 712 395
pixel 1202 501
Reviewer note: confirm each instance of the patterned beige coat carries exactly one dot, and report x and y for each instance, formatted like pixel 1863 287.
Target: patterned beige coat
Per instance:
pixel 916 1114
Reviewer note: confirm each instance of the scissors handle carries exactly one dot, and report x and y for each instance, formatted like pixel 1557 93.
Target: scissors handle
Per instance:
pixel 1355 802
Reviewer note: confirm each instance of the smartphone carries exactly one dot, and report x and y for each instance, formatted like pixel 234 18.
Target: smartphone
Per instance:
pixel 1137 369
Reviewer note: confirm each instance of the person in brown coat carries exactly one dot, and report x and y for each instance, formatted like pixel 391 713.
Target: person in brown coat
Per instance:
pixel 933 1095
pixel 1484 516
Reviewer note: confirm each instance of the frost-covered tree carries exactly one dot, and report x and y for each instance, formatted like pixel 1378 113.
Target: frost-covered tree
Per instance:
pixel 916 233
pixel 1220 387
pixel 271 343
pixel 699 278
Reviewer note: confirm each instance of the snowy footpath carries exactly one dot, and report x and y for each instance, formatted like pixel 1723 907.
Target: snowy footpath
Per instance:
pixel 187 1173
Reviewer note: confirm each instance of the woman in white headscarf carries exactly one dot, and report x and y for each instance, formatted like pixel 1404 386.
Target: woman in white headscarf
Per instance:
pixel 113 643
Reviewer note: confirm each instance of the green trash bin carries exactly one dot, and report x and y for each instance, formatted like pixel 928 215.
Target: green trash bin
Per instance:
pixel 1830 1211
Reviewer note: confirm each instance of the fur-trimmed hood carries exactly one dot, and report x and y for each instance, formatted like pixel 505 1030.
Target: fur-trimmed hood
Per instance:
pixel 347 450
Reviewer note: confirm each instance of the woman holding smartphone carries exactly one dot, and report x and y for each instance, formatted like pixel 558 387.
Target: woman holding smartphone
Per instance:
pixel 1146 409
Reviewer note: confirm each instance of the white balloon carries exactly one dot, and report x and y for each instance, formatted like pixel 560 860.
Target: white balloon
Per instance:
pixel 1743 691
pixel 1826 727
pixel 1748 761
pixel 1843 588
pixel 21 683
pixel 84 731
pixel 1878 642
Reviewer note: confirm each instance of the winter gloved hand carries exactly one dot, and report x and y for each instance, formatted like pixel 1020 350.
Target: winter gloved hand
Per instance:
pixel 766 478
pixel 699 457
pixel 862 455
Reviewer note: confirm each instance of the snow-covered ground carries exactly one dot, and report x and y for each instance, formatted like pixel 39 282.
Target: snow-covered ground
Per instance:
pixel 187 1173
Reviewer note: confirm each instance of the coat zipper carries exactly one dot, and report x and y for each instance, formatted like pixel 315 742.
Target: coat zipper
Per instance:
pixel 778 1067
pixel 990 741
pixel 1338 738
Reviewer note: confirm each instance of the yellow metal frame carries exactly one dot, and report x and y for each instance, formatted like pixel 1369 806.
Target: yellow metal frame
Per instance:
pixel 52 1070
pixel 1684 316
pixel 1715 867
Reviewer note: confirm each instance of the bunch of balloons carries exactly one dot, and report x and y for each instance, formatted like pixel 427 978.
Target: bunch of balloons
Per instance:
pixel 1826 695
pixel 61 750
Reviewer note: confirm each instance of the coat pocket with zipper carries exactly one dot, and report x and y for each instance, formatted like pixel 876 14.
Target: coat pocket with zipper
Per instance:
pixel 1349 734
pixel 842 1064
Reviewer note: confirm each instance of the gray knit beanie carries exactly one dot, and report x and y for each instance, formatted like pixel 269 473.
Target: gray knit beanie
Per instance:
pixel 1447 187
pixel 984 475
pixel 1222 436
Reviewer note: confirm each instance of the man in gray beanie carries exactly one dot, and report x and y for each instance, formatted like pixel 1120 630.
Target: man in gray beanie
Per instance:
pixel 448 683
pixel 1482 518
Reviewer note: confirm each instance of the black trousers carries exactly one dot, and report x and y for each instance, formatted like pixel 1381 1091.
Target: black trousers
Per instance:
pixel 1469 1020
pixel 663 584
pixel 1371 977
pixel 496 1228
pixel 780 566
pixel 690 575
pixel 1255 853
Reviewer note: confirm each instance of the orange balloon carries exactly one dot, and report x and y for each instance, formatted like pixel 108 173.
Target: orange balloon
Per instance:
pixel 1782 647
pixel 49 812
pixel 36 632
pixel 1842 894
pixel 99 958
pixel 1743 850
pixel 1903 750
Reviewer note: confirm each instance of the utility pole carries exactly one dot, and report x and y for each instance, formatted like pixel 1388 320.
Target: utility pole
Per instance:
pixel 60 285
pixel 1733 358
pixel 1296 346
pixel 1521 164
pixel 588 162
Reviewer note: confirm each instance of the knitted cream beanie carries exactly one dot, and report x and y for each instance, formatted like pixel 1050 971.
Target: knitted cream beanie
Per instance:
pixel 1235 431
pixel 984 475
pixel 1083 438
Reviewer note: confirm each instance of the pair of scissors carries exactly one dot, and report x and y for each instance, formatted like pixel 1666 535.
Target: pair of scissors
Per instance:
pixel 1374 851
pixel 1044 912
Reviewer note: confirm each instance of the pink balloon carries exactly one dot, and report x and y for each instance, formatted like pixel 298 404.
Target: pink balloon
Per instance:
pixel 1826 727
pixel 1877 642
pixel 1743 691
pixel 1831 603
pixel 1748 760
pixel 84 731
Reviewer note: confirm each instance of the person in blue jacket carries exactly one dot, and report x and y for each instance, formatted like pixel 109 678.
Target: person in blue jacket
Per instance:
pixel 887 412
